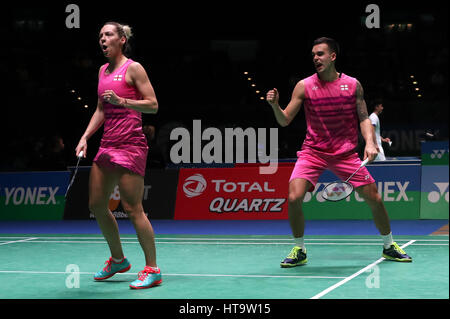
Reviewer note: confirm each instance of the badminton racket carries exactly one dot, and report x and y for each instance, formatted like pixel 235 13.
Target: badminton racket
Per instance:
pixel 80 155
pixel 340 190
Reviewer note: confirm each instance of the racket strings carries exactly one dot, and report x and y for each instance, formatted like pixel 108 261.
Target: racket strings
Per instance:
pixel 337 191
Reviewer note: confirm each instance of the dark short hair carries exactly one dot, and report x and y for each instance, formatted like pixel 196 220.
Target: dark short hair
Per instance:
pixel 376 102
pixel 332 44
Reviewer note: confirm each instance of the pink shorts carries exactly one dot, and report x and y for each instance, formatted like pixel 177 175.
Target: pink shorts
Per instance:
pixel 311 165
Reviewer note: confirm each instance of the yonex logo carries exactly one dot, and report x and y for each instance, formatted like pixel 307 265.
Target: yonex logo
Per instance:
pixel 390 191
pixel 117 77
pixel 31 196
pixel 438 153
pixel 194 185
pixel 344 87
pixel 435 196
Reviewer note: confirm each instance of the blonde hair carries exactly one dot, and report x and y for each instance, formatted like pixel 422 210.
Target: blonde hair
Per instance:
pixel 123 31
pixel 127 31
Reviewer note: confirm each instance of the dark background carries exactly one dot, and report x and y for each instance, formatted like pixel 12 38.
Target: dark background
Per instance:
pixel 195 55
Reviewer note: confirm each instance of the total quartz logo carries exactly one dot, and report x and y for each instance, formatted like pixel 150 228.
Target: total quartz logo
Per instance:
pixel 225 195
pixel 194 185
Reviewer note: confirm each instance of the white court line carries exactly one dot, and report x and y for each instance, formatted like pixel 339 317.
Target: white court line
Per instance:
pixel 430 244
pixel 356 274
pixel 18 241
pixel 289 239
pixel 214 243
pixel 237 239
pixel 185 275
pixel 224 239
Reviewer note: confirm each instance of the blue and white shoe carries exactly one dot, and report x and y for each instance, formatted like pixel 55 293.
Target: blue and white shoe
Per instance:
pixel 147 278
pixel 112 268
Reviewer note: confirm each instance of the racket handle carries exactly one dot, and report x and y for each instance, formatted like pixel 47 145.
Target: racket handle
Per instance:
pixel 365 162
pixel 80 155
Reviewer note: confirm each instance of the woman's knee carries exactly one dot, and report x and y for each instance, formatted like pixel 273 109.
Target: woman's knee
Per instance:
pixel 98 207
pixel 133 210
pixel 101 185
pixel 295 197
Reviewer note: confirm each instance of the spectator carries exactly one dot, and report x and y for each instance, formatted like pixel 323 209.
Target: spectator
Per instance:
pixel 154 158
pixel 374 118
pixel 54 157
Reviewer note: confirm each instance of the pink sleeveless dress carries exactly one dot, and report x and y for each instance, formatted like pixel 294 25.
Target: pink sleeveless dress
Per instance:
pixel 123 142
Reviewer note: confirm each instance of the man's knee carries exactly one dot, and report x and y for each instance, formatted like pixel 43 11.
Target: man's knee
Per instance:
pixel 370 193
pixel 297 190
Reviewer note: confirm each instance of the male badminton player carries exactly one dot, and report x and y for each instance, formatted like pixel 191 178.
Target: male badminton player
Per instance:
pixel 334 105
pixel 124 92
pixel 375 120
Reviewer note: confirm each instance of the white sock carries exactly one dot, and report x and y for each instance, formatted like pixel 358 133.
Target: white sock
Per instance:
pixel 117 261
pixel 387 240
pixel 300 242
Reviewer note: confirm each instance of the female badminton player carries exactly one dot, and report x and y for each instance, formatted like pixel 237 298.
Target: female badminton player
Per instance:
pixel 124 92
pixel 334 106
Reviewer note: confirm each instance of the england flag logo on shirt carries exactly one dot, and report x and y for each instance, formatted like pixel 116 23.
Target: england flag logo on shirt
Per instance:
pixel 344 87
pixel 117 77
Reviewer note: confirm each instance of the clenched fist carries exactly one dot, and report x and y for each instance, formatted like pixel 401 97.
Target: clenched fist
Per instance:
pixel 272 97
pixel 111 97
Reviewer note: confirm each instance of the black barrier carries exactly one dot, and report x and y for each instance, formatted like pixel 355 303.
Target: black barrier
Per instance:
pixel 160 190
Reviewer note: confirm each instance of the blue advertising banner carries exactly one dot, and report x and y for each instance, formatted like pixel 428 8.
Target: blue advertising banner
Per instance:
pixel 434 201
pixel 33 195
pixel 399 187
pixel 434 153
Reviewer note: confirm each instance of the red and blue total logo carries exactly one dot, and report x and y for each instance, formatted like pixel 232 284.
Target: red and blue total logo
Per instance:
pixel 194 185
pixel 231 193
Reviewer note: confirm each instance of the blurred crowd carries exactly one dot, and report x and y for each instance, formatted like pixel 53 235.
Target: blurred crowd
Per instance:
pixel 204 79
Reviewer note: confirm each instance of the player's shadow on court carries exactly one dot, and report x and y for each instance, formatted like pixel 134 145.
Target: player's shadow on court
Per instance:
pixel 118 278
pixel 325 271
pixel 111 281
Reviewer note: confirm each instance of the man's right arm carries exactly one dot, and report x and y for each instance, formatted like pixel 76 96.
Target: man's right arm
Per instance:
pixel 285 117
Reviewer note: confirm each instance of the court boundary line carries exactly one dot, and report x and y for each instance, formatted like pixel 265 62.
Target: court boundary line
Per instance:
pixel 350 242
pixel 230 239
pixel 356 274
pixel 18 241
pixel 169 274
pixel 203 243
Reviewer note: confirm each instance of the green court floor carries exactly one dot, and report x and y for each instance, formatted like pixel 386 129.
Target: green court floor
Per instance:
pixel 225 267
